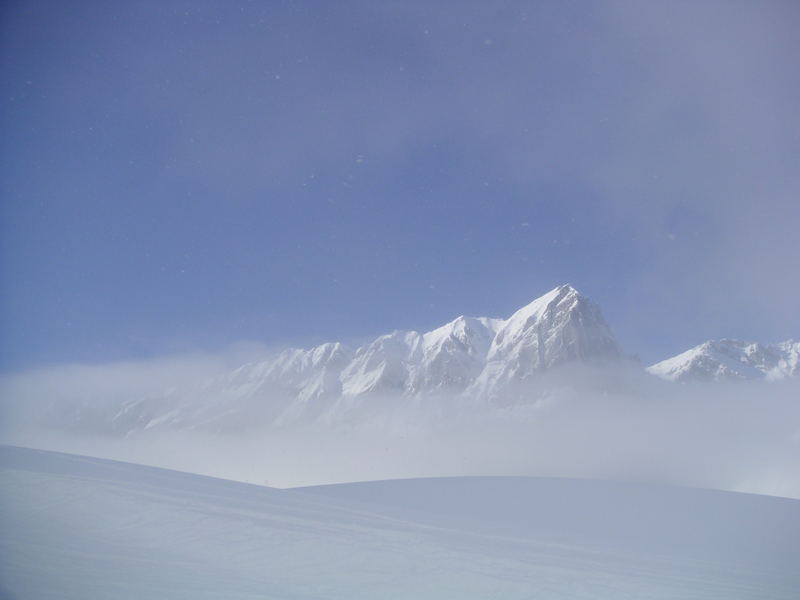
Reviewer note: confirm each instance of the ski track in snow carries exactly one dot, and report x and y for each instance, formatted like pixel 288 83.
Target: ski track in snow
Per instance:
pixel 84 528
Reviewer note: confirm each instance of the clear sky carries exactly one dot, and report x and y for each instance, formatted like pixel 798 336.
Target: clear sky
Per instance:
pixel 182 175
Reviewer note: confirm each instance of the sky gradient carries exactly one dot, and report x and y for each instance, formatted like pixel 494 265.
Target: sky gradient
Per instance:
pixel 181 176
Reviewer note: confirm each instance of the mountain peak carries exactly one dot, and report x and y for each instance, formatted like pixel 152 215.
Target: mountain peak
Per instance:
pixel 559 327
pixel 536 309
pixel 567 289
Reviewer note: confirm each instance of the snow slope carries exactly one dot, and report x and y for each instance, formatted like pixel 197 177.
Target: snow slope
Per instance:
pixel 83 528
pixel 732 360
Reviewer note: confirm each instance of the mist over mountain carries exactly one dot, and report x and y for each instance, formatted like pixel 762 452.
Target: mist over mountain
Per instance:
pixel 476 359
pixel 295 244
pixel 547 391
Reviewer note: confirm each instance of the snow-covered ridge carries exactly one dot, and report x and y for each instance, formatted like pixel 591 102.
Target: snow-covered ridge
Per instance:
pixel 478 357
pixel 731 360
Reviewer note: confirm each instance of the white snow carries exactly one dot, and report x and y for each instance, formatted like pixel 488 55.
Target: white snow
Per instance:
pixel 84 528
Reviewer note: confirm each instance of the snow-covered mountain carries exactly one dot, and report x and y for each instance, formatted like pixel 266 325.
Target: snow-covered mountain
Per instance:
pixel 477 357
pixel 731 360
pixel 488 361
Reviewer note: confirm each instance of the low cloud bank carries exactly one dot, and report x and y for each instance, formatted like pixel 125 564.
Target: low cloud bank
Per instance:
pixel 613 423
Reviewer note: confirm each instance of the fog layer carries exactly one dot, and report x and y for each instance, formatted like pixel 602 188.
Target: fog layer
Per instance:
pixel 613 423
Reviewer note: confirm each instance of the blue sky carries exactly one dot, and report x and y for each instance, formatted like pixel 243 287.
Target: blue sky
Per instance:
pixel 187 175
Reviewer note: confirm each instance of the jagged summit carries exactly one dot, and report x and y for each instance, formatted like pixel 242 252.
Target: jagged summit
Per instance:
pixel 561 326
pixel 536 309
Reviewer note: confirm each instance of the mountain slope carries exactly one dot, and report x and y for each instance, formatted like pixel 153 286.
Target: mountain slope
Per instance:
pixel 85 529
pixel 731 360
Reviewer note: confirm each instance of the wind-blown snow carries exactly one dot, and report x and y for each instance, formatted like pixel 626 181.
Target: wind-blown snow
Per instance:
pixel 90 529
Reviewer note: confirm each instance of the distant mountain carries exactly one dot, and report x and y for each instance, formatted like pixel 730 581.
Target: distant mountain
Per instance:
pixel 476 357
pixel 731 360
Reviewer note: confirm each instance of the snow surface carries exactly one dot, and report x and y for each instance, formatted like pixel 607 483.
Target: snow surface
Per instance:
pixel 84 528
